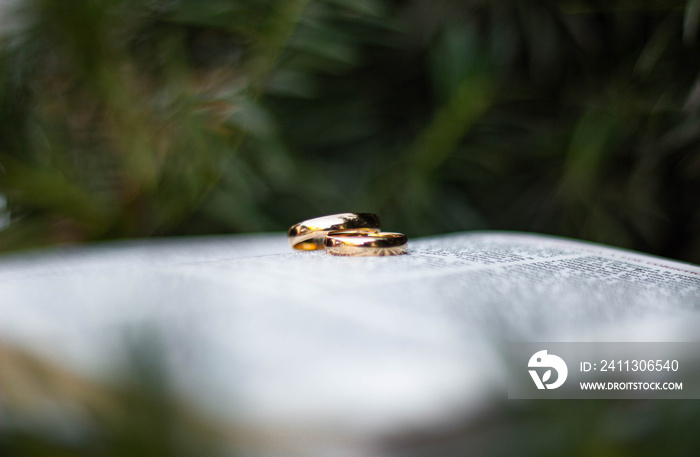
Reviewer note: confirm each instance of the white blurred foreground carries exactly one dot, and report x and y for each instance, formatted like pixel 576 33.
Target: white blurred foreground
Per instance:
pixel 316 352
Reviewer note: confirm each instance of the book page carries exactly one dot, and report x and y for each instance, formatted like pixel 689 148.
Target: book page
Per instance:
pixel 253 332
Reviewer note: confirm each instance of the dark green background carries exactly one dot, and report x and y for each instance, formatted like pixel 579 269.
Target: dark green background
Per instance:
pixel 125 118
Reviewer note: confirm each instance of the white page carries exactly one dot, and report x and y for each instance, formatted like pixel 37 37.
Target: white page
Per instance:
pixel 258 334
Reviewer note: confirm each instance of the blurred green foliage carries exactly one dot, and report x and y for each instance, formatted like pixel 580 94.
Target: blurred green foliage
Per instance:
pixel 48 411
pixel 582 428
pixel 124 118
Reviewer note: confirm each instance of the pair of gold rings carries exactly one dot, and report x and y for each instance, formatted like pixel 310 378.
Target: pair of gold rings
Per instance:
pixel 347 234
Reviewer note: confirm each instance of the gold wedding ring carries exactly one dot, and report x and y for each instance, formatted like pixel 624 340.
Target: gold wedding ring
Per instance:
pixel 311 235
pixel 352 243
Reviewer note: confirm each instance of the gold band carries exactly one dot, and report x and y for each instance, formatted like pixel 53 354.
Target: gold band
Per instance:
pixel 310 235
pixel 350 243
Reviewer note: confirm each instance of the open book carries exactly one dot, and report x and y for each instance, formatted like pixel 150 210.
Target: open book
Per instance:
pixel 257 335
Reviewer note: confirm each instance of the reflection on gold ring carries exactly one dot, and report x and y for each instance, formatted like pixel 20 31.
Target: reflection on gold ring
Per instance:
pixel 352 243
pixel 310 235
